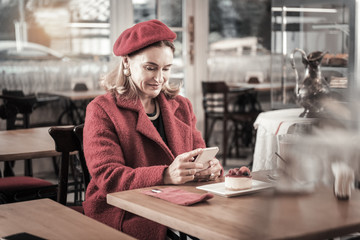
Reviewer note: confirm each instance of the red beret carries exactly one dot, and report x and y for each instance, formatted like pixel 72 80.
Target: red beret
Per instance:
pixel 141 35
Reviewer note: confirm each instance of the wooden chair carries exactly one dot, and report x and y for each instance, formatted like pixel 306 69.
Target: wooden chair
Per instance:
pixel 248 106
pixel 17 109
pixel 78 130
pixel 24 188
pixel 67 142
pixel 218 106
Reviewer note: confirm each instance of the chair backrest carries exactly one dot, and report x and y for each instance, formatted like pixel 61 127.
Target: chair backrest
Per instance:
pixel 65 142
pixel 80 87
pixel 14 103
pixel 24 104
pixel 214 87
pixel 247 102
pixel 215 96
pixel 78 130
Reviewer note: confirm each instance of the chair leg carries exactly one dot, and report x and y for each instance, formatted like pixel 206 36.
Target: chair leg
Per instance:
pixel 8 171
pixel 56 166
pixel 224 141
pixel 237 153
pixel 210 131
pixel 206 137
pixel 28 168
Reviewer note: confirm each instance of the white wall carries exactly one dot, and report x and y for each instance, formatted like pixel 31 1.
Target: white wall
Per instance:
pixel 197 71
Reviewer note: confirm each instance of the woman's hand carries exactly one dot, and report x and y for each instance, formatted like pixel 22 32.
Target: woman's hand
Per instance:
pixel 183 169
pixel 211 173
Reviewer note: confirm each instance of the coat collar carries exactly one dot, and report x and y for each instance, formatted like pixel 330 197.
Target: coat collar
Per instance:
pixel 176 130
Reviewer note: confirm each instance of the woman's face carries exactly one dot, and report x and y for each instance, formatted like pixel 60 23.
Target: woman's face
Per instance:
pixel 150 70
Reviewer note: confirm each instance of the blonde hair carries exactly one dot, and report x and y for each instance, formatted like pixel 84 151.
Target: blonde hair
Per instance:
pixel 116 82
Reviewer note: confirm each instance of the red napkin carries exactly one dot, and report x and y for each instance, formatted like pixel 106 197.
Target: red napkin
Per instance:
pixel 178 196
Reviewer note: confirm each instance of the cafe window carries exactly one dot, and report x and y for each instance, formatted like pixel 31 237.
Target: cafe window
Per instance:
pixel 72 27
pixel 239 40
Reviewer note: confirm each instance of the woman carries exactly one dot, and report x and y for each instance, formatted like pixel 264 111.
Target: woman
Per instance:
pixel 141 133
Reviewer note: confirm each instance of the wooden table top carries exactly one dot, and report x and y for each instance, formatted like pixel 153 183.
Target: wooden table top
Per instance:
pixel 262 215
pixel 79 95
pixel 27 143
pixel 50 220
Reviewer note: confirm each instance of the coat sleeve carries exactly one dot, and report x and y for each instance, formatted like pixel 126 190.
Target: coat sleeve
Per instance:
pixel 105 157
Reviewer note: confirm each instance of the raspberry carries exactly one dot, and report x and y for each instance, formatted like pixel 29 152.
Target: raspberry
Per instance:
pixel 244 170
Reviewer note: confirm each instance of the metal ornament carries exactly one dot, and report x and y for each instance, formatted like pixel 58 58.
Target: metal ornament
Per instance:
pixel 313 90
pixel 127 72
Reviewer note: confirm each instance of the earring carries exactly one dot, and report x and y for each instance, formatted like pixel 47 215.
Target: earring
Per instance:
pixel 127 72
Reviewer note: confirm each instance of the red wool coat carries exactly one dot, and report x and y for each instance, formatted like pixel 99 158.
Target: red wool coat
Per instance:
pixel 123 151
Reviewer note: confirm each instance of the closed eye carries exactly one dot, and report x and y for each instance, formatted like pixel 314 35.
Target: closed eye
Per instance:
pixel 150 68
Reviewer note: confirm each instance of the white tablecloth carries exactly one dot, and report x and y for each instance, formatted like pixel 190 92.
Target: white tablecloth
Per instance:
pixel 269 125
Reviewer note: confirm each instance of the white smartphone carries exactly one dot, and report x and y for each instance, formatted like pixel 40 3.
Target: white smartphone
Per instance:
pixel 207 155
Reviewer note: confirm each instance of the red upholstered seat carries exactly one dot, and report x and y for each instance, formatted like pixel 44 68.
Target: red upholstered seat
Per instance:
pixel 79 209
pixel 23 188
pixel 22 183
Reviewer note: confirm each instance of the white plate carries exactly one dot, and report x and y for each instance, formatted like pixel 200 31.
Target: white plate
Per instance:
pixel 219 188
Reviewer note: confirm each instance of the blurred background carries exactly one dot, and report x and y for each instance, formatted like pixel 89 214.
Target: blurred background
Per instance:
pixel 52 46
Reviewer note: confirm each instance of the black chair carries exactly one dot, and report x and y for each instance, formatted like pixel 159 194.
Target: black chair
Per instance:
pixel 67 141
pixel 78 130
pixel 24 188
pixel 16 110
pixel 220 103
pixel 246 104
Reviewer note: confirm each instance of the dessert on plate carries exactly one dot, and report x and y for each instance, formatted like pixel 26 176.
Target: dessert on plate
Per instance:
pixel 238 179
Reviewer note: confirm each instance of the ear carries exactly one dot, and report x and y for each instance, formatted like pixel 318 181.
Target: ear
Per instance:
pixel 126 62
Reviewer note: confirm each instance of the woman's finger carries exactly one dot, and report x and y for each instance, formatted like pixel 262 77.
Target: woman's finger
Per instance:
pixel 190 155
pixel 188 172
pixel 192 165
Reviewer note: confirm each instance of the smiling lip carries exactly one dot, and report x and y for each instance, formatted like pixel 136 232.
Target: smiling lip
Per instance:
pixel 155 85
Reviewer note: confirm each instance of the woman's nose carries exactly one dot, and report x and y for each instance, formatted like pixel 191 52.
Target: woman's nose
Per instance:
pixel 159 76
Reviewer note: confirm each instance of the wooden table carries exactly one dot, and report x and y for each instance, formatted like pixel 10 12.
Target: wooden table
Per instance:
pixel 76 102
pixel 263 215
pixel 50 220
pixel 260 87
pixel 27 143
pixel 79 95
